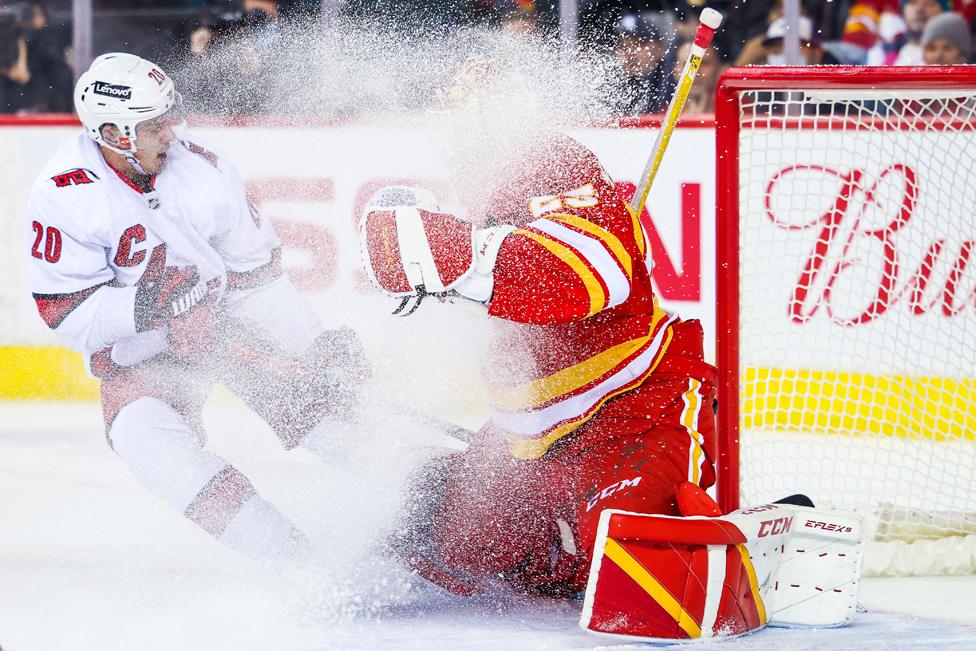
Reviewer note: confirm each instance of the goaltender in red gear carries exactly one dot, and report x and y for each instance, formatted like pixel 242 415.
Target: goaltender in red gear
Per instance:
pixel 599 397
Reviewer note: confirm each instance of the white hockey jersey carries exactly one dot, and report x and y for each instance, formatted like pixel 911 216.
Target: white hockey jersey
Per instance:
pixel 92 234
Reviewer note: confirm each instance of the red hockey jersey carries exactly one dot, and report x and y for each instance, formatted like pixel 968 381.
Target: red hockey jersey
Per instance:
pixel 572 284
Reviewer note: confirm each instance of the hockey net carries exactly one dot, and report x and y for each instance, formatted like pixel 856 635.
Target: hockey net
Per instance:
pixel 847 301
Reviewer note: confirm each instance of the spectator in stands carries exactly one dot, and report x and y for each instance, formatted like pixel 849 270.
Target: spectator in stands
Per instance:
pixel 947 40
pixel 236 46
pixel 523 19
pixel 52 79
pixel 646 61
pixel 599 20
pixel 866 21
pixel 753 52
pixel 744 27
pixel 908 48
pixel 14 71
pixel 687 20
pixel 215 31
pixel 810 47
pixel 746 23
pixel 262 18
pixel 270 8
pixel 891 32
pixel 258 21
pixel 701 99
pixel 886 32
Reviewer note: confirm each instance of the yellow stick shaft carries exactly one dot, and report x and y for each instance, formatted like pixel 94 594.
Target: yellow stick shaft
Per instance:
pixel 665 132
pixel 710 20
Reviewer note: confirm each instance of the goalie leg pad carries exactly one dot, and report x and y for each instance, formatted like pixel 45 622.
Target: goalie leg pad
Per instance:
pixel 665 591
pixel 671 578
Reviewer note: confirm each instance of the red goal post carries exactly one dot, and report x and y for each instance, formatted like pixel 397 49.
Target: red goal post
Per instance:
pixel 846 289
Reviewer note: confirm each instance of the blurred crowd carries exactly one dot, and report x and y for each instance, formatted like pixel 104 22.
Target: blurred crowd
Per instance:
pixel 652 39
pixel 35 68
pixel 648 39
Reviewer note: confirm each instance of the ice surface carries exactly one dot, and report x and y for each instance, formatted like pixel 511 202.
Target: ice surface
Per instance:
pixel 89 560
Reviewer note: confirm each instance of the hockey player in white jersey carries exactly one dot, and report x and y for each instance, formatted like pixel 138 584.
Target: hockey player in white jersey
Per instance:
pixel 145 256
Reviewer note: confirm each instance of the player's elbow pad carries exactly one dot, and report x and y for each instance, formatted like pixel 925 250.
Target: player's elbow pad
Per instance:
pixel 561 269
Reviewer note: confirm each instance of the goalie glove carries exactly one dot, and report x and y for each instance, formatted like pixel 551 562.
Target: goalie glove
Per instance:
pixel 411 250
pixel 669 578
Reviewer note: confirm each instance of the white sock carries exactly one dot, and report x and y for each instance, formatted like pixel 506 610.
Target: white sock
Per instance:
pixel 259 530
pixel 324 440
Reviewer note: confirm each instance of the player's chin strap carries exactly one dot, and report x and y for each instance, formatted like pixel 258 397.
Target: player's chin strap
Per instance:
pixel 669 578
pixel 136 164
pixel 129 155
pixel 178 125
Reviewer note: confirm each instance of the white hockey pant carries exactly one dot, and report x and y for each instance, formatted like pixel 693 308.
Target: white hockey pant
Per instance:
pixel 164 453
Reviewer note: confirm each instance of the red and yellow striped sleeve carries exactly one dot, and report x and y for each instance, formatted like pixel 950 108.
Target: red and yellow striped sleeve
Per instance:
pixel 560 268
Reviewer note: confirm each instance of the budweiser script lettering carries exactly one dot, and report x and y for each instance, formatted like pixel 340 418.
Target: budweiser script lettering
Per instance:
pixel 852 248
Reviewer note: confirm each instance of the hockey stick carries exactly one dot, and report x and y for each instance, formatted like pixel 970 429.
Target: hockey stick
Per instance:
pixel 709 22
pixel 259 353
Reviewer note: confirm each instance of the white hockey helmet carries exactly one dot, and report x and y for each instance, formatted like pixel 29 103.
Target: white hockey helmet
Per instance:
pixel 124 90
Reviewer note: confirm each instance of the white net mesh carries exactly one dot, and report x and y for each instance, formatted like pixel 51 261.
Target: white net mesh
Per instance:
pixel 857 340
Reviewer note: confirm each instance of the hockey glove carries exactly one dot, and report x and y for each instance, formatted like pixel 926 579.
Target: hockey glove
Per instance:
pixel 195 335
pixel 175 291
pixel 336 366
pixel 411 251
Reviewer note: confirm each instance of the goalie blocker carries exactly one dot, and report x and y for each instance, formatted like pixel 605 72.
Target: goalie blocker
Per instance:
pixel 667 578
pixel 412 250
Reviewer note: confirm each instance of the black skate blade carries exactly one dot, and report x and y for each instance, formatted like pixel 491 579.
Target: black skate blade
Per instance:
pixel 796 500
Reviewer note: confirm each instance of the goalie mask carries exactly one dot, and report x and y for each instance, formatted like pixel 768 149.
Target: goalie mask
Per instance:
pixel 470 85
pixel 124 90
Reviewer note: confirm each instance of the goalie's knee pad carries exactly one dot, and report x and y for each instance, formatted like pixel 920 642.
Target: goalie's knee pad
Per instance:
pixel 412 541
